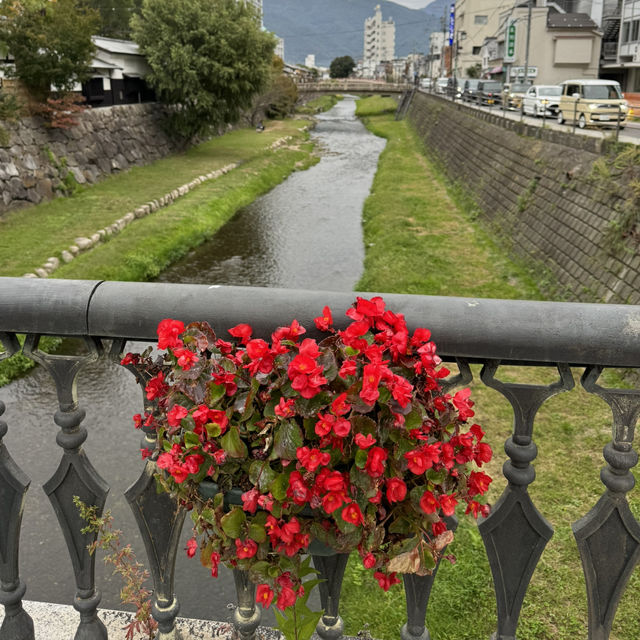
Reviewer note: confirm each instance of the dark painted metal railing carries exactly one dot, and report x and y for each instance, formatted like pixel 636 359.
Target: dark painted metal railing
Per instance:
pixel 490 332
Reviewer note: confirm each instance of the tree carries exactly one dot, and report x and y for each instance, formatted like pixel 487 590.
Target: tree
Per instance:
pixel 474 71
pixel 280 97
pixel 208 59
pixel 50 42
pixel 341 67
pixel 115 16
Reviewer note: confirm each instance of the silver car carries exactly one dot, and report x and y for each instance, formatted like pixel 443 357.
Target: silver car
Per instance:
pixel 542 100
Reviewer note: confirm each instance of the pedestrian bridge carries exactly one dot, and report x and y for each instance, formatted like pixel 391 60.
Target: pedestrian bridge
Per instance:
pixel 352 85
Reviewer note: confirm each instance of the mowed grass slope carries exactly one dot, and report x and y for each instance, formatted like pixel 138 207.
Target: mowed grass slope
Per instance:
pixel 30 236
pixel 420 240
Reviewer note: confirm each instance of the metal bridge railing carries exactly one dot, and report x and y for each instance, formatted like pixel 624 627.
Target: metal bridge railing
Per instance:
pixel 467 331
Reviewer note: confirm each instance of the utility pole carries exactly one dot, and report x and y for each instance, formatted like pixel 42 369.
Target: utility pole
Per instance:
pixel 444 37
pixel 526 57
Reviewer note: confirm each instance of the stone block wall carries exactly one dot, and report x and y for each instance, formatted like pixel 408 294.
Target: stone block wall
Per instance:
pixel 38 163
pixel 539 191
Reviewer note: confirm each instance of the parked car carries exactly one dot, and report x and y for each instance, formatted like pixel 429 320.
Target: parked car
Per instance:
pixel 541 100
pixel 454 88
pixel 441 85
pixel 592 102
pixel 426 83
pixel 470 90
pixel 513 93
pixel 489 92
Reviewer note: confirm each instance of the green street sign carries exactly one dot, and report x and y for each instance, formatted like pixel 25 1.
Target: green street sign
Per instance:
pixel 510 43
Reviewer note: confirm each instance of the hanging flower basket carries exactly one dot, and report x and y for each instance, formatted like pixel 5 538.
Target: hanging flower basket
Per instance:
pixel 349 441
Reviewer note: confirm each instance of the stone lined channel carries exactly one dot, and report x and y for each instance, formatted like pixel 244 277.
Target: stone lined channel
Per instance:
pixel 306 233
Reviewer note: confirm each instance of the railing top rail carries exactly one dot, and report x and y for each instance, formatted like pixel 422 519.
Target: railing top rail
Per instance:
pixel 475 328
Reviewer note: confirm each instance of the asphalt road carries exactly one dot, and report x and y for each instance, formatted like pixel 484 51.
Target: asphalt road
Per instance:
pixel 631 133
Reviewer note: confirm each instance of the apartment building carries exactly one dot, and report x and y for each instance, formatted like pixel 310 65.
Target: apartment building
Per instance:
pixel 379 41
pixel 475 21
pixel 621 46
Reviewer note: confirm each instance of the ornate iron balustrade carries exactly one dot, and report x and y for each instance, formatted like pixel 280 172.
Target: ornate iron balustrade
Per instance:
pixel 489 332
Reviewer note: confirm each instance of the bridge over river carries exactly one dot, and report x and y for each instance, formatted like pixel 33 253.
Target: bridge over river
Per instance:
pixel 352 85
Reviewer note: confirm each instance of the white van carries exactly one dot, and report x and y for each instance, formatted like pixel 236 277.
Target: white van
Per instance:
pixel 441 85
pixel 592 102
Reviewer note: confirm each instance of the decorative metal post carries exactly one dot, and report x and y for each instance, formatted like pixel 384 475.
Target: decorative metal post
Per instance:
pixel 417 590
pixel 247 616
pixel 608 536
pixel 160 520
pixel 515 533
pixel 17 624
pixel 331 572
pixel 75 476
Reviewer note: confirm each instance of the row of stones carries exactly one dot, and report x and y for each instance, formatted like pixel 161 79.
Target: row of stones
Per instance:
pixel 84 244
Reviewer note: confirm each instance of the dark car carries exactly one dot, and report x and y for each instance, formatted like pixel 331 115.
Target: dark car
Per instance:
pixel 489 92
pixel 470 90
pixel 454 88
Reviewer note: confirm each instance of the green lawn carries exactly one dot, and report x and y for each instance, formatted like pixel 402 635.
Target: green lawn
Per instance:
pixel 422 238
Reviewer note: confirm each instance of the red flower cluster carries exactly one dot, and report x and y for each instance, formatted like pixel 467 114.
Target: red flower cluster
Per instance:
pixel 348 439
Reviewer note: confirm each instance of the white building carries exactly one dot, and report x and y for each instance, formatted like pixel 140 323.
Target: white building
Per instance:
pixel 258 5
pixel 310 61
pixel 379 41
pixel 279 50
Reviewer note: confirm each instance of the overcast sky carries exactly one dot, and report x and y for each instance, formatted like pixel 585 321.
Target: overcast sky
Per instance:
pixel 412 4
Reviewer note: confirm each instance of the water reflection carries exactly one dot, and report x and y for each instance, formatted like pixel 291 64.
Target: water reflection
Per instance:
pixel 307 232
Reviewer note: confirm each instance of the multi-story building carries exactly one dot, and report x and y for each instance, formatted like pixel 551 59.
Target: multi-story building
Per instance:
pixel 379 41
pixel 621 46
pixel 258 5
pixel 279 50
pixel 475 21
pixel 561 46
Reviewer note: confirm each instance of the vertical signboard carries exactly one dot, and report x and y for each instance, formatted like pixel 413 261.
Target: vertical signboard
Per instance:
pixel 452 23
pixel 510 42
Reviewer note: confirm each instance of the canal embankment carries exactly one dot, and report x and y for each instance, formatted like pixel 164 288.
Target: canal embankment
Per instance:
pixel 567 206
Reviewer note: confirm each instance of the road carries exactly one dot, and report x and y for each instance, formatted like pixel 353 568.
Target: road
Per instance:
pixel 631 133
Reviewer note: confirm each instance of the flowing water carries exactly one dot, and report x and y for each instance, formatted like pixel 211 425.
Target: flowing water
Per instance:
pixel 306 233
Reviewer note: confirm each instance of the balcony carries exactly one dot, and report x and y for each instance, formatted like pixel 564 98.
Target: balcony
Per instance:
pixel 490 333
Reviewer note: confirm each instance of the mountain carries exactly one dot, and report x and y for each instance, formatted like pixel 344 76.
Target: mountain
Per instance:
pixel 332 28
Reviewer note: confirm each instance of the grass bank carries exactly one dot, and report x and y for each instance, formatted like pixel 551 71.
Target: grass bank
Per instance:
pixel 421 238
pixel 145 247
pixel 32 235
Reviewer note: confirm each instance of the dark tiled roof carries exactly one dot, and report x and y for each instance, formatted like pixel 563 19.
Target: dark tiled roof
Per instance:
pixel 570 21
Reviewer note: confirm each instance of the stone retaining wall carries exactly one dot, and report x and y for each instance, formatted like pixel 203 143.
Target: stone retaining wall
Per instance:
pixel 542 195
pixel 39 163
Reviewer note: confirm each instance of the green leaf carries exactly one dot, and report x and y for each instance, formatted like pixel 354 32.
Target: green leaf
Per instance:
pixel 213 430
pixel 215 393
pixel 191 440
pixel 208 516
pixel 279 486
pixel 361 458
pixel 287 440
pixel 233 444
pixel 413 420
pixel 427 558
pixel 232 522
pixel 257 532
pixel 261 474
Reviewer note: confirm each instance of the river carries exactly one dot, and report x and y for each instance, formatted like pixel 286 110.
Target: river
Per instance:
pixel 306 233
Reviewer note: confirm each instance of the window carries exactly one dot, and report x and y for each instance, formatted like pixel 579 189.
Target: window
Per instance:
pixel 476 51
pixel 635 28
pixel 480 19
pixel 571 89
pixel 625 32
